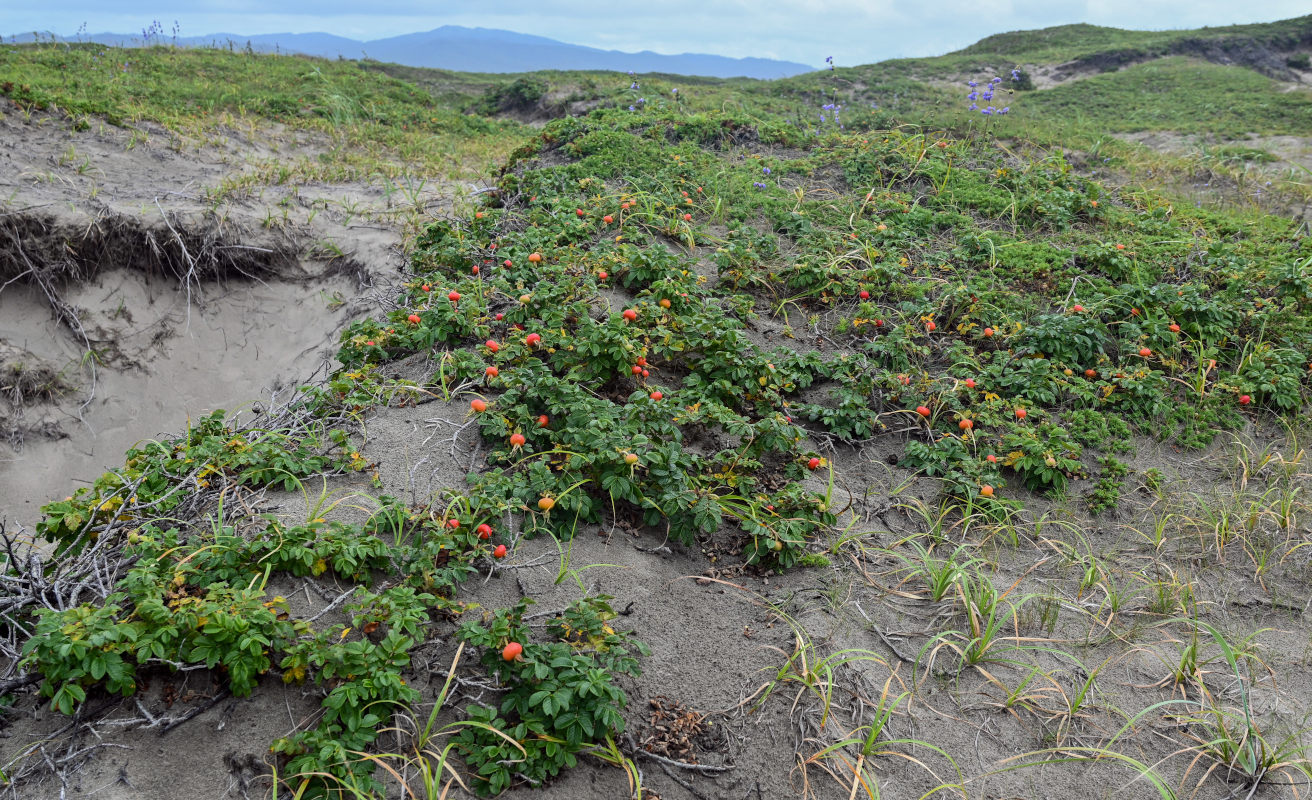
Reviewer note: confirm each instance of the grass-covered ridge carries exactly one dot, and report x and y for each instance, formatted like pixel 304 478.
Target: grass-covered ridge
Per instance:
pixel 377 128
pixel 1068 42
pixel 176 87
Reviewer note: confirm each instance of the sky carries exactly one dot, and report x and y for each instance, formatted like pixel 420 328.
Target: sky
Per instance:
pixel 805 31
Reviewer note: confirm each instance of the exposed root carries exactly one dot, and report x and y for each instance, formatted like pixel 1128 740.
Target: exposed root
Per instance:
pixel 41 250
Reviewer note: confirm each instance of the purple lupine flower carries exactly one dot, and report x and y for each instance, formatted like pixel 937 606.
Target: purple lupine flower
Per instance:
pixel 972 84
pixel 765 170
pixel 634 85
pixel 631 108
pixel 972 107
pixel 674 91
pixel 988 95
pixel 1004 109
pixel 973 96
pixel 1015 74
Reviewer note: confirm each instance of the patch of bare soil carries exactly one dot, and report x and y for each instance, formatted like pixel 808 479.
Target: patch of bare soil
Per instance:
pixel 147 279
pixel 1288 150
pixel 1249 173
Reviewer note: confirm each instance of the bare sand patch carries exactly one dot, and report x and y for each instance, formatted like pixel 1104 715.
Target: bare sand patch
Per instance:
pixel 159 278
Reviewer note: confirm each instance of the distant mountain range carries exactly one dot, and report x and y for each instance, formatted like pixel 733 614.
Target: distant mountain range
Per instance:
pixel 482 50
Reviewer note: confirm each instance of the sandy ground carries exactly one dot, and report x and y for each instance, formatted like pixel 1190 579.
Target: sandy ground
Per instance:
pixel 163 351
pixel 1289 151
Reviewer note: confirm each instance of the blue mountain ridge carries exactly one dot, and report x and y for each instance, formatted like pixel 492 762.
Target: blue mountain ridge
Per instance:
pixel 480 50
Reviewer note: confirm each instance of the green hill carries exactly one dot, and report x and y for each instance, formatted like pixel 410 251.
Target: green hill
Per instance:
pixel 1086 42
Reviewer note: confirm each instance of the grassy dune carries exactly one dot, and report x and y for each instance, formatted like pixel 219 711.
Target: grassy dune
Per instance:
pixel 1049 430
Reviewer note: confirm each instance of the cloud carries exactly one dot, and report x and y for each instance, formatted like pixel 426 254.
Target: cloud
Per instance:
pixel 853 31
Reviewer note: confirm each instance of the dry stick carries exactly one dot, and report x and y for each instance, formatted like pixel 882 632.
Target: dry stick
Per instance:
pixel 151 719
pixel 881 635
pixel 455 437
pixel 18 683
pixel 15 279
pixel 688 787
pixel 338 601
pixel 704 769
pixel 197 711
pixel 414 487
